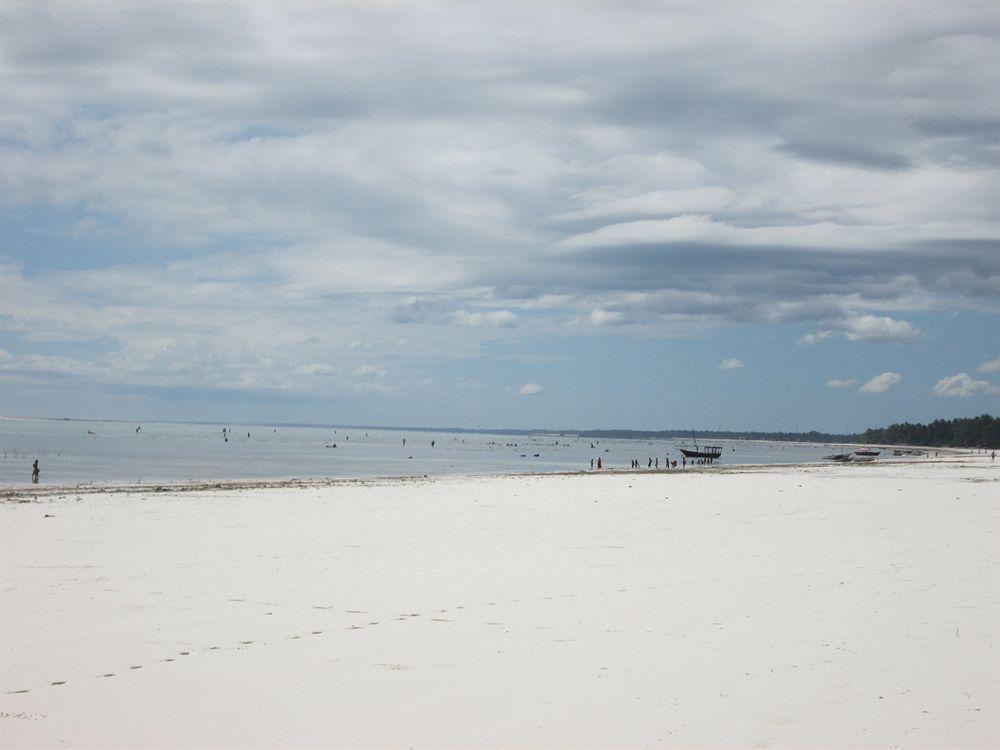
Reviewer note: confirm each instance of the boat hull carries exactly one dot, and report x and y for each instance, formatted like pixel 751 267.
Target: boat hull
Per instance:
pixel 701 454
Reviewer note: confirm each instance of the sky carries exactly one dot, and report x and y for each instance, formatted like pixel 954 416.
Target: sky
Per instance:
pixel 778 216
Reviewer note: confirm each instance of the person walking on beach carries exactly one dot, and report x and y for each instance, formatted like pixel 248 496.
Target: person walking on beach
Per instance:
pixel 591 463
pixel 598 462
pixel 35 471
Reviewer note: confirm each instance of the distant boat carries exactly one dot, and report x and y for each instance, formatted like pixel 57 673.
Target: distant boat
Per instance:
pixel 838 457
pixel 705 451
pixel 867 452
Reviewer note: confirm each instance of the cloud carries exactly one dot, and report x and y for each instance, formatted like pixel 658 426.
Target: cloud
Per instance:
pixel 223 220
pixel 963 386
pixel 838 383
pixel 530 389
pixel 493 318
pixel 992 366
pixel 601 317
pixel 881 383
pixel 871 328
pixel 875 328
pixel 731 363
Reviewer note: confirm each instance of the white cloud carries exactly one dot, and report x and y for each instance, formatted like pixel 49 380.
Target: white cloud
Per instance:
pixel 987 367
pixel 963 386
pixel 732 363
pixel 656 202
pixel 493 318
pixel 838 383
pixel 370 371
pixel 601 317
pixel 875 328
pixel 871 328
pixel 814 338
pixel 530 389
pixel 881 383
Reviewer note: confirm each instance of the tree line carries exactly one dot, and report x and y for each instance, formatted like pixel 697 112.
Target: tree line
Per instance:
pixel 970 432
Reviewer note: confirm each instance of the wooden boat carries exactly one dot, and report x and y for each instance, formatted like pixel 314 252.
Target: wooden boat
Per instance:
pixel 867 452
pixel 705 451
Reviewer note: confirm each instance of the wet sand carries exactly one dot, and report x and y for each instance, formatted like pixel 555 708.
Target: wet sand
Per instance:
pixel 766 606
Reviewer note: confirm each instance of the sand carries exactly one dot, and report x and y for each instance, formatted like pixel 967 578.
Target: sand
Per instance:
pixel 833 606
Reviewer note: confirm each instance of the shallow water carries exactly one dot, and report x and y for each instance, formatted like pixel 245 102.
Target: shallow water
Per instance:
pixel 72 452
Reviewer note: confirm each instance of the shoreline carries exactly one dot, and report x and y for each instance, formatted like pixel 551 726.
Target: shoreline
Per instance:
pixel 26 492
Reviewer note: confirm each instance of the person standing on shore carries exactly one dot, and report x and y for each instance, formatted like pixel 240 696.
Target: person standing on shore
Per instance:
pixel 35 471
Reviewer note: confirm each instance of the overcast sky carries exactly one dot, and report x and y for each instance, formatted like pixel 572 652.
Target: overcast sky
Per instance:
pixel 776 216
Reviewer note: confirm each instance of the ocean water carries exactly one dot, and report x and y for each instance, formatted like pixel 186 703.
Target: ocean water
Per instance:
pixel 78 452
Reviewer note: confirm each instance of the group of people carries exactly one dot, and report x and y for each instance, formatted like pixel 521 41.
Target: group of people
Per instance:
pixel 653 463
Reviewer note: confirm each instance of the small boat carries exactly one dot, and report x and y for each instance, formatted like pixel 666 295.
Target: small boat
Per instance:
pixel 838 457
pixel 867 452
pixel 705 451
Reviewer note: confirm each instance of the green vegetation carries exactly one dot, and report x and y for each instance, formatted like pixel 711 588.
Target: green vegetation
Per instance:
pixel 975 432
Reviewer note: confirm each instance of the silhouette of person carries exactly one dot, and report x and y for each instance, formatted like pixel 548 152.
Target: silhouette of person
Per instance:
pixel 35 471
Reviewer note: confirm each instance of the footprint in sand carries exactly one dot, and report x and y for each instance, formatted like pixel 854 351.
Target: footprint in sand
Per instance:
pixel 137 666
pixel 109 674
pixel 15 692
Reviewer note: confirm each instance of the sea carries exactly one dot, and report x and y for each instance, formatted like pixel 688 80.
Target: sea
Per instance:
pixel 73 452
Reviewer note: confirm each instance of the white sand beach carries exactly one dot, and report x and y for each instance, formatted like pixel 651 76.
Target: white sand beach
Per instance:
pixel 812 606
